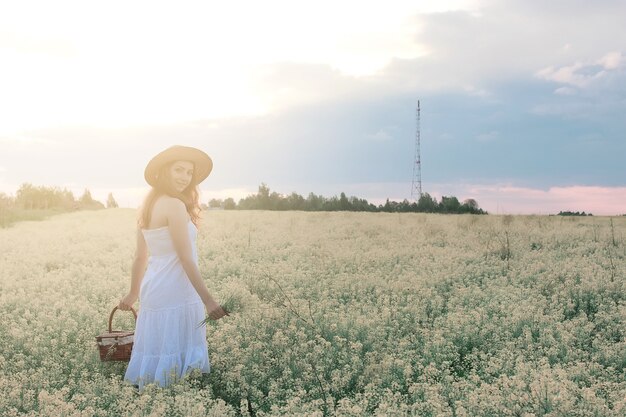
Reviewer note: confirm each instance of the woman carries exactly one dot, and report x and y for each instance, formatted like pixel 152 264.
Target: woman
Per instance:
pixel 169 342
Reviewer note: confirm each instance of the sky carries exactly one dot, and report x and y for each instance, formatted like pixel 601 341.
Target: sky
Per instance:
pixel 522 101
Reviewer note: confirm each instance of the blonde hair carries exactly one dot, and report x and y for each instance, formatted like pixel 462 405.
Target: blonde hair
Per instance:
pixel 190 196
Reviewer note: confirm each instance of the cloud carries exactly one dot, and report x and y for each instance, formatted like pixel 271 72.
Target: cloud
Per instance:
pixel 380 136
pixel 488 137
pixel 612 60
pixel 478 92
pixel 566 91
pixel 490 44
pixel 581 74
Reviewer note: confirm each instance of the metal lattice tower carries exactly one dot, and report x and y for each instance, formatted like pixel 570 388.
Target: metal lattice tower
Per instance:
pixel 416 188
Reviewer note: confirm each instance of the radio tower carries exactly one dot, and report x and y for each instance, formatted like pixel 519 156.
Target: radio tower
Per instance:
pixel 416 188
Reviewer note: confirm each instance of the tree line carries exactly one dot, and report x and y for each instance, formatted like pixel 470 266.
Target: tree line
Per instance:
pixel 33 198
pixel 266 200
pixel 30 197
pixel 573 213
pixel 37 203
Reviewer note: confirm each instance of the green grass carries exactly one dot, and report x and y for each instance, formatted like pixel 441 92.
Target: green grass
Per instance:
pixel 10 216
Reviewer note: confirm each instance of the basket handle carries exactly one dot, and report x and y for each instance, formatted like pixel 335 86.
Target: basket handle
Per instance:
pixel 111 317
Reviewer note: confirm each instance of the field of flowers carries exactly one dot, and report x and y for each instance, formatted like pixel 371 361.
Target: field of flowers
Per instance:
pixel 339 314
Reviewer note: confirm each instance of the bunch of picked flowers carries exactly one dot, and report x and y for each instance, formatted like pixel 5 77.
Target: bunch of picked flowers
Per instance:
pixel 232 304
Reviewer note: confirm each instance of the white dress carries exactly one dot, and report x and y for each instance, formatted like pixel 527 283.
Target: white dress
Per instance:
pixel 168 341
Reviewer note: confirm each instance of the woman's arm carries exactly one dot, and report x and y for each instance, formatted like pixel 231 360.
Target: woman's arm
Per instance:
pixel 138 270
pixel 177 220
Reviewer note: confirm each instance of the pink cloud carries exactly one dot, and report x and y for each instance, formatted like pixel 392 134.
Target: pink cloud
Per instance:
pixel 519 200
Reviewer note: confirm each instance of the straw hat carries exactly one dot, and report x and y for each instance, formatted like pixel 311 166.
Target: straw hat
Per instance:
pixel 201 161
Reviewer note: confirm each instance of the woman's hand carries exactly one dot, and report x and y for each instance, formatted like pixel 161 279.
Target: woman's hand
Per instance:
pixel 127 302
pixel 215 311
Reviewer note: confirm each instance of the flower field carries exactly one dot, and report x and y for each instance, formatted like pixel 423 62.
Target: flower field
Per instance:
pixel 338 314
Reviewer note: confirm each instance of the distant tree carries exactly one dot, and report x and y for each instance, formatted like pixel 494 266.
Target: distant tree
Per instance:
pixel 449 205
pixel 296 202
pixel 6 204
pixel 229 204
pixel 6 200
pixel 86 202
pixel 262 200
pixel 573 213
pixel 331 204
pixel 404 206
pixel 263 196
pixel 86 197
pixel 426 204
pixel 111 203
pixel 275 202
pixel 246 203
pixel 471 203
pixel 344 204
pixel 26 196
pixel 470 206
pixel 390 206
pixel 215 203
pixel 315 202
pixel 358 204
pixel 29 197
pixel 67 199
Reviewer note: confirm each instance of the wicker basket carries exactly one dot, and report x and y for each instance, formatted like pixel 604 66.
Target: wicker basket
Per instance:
pixel 116 345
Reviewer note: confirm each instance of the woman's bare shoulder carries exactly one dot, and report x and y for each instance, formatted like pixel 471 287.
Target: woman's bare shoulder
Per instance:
pixel 163 209
pixel 171 203
pixel 169 207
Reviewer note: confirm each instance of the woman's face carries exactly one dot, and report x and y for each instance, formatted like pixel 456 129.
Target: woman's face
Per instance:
pixel 181 173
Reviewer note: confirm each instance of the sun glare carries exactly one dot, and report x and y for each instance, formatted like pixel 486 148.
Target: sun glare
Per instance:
pixel 156 64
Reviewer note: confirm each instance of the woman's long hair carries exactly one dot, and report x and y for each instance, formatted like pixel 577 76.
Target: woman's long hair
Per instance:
pixel 190 196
